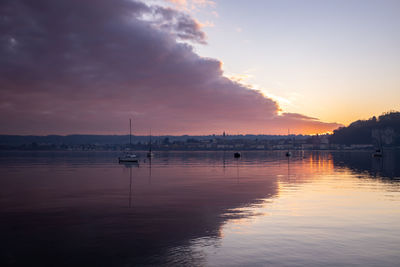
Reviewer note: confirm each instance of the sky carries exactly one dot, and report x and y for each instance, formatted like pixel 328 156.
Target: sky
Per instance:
pixel 196 67
pixel 334 60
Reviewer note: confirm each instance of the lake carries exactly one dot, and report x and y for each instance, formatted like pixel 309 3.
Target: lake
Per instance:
pixel 200 209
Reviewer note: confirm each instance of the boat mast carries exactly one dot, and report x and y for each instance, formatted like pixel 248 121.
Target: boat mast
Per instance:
pixel 380 141
pixel 130 133
pixel 150 142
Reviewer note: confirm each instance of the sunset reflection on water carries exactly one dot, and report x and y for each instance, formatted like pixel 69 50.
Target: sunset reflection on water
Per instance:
pixel 200 208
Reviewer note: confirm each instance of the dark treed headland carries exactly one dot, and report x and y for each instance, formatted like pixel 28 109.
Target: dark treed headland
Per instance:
pixel 385 129
pixel 362 134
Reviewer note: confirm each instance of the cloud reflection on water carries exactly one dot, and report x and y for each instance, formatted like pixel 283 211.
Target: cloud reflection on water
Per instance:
pixel 67 208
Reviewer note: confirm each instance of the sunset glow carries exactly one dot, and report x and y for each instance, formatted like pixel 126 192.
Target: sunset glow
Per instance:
pixel 160 63
pixel 200 133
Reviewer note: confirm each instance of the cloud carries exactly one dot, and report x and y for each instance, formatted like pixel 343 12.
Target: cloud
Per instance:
pixel 79 67
pixel 298 116
pixel 178 23
pixel 215 14
pixel 192 4
pixel 179 2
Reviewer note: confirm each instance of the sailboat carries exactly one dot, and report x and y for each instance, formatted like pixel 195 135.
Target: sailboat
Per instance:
pixel 288 153
pixel 150 154
pixel 129 156
pixel 379 151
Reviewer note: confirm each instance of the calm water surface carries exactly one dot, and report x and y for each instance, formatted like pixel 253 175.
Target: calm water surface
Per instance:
pixel 200 209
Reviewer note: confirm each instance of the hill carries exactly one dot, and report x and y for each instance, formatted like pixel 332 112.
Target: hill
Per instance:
pixel 383 130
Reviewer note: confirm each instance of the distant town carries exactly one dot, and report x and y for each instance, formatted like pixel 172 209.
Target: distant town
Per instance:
pixel 163 143
pixel 382 132
pixel 211 142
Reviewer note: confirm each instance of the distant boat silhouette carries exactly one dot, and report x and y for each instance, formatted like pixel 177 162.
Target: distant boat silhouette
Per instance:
pixel 288 153
pixel 379 151
pixel 150 154
pixel 237 155
pixel 129 156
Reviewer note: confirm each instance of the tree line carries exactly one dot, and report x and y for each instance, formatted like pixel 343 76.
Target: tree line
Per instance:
pixel 383 131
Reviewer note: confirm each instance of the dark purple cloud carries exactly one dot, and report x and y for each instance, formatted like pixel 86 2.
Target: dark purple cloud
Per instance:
pixel 83 66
